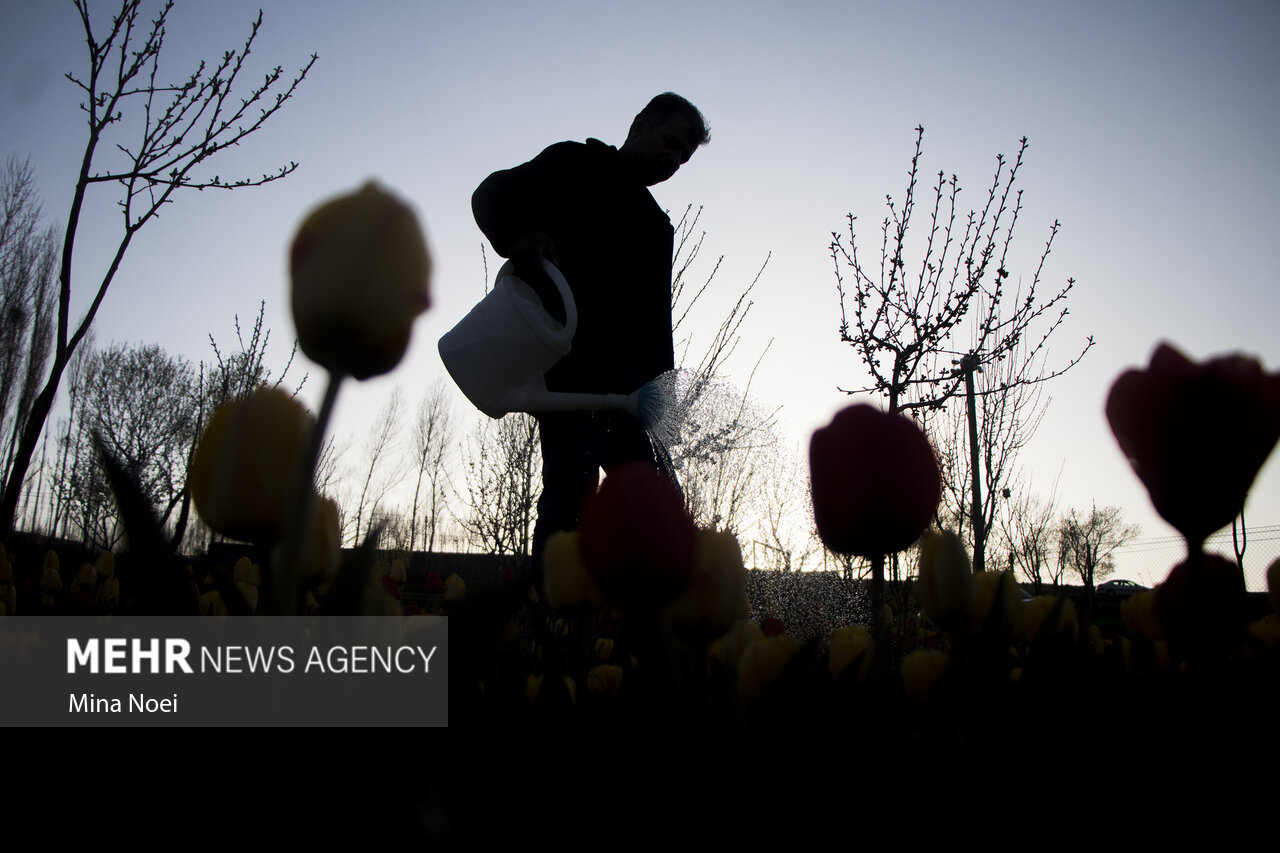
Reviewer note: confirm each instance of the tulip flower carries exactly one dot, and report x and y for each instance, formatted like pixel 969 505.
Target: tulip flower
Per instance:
pixel 1196 434
pixel 322 542
pixel 1138 613
pixel 716 595
pixel 761 664
pixel 999 611
pixel 454 588
pixel 105 565
pixel 360 271
pixel 605 680
pixel 921 669
pixel 729 647
pixel 849 646
pixel 637 538
pixel 246 462
pixel 1066 624
pixel 875 482
pixel 565 579
pixel 947 590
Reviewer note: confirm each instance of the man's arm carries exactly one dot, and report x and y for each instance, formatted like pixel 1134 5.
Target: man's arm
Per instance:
pixel 516 208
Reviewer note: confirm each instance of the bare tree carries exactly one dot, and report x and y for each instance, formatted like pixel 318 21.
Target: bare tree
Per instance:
pixel 1031 534
pixel 181 127
pixel 503 473
pixel 380 445
pixel 922 332
pixel 28 260
pixel 139 404
pixel 1087 543
pixel 433 437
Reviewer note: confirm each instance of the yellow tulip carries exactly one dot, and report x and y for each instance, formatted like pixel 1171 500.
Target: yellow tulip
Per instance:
pixel 244 468
pixel 322 542
pixel 105 564
pixel 605 679
pixel 947 589
pixel 761 664
pixel 921 669
pixel 1138 612
pixel 716 595
pixel 566 583
pixel 848 646
pixel 729 646
pixel 1041 606
pixel 360 271
pixel 991 587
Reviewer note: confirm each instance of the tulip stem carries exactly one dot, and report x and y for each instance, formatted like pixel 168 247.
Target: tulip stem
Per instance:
pixel 287 594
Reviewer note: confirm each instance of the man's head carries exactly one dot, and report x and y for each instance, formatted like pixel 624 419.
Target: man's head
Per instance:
pixel 663 137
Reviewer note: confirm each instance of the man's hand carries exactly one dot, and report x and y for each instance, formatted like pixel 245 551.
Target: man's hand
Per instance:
pixel 527 252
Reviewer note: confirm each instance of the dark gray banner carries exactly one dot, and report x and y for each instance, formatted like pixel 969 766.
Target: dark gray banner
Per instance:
pixel 237 671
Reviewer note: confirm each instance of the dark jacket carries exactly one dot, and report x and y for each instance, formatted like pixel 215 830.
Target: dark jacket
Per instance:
pixel 614 245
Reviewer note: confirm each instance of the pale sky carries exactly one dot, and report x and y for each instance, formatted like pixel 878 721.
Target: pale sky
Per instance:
pixel 1152 130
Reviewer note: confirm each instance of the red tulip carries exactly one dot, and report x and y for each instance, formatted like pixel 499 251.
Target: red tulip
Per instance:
pixel 1196 434
pixel 637 538
pixel 875 482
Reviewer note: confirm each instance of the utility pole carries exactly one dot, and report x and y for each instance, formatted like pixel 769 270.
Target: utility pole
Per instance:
pixel 968 364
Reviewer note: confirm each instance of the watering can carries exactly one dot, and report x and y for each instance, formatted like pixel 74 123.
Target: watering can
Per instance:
pixel 500 352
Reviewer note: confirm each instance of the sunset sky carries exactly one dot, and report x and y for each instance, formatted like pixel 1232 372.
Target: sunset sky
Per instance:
pixel 1152 129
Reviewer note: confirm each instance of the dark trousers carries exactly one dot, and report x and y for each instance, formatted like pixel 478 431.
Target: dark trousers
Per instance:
pixel 575 446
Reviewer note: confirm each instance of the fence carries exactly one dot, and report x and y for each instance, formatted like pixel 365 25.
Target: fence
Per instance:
pixel 1149 560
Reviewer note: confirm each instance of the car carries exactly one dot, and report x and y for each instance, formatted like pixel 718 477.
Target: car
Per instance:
pixel 1120 586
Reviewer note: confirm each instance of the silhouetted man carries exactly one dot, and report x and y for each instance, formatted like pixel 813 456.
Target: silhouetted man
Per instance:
pixel 586 208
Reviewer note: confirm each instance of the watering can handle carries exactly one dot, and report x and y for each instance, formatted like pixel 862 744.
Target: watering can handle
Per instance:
pixel 566 296
pixel 562 286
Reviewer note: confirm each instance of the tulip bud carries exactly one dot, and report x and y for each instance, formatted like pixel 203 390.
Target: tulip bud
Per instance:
pixel 322 542
pixel 947 589
pixel 1196 434
pixel 105 565
pixel 86 578
pixel 849 646
pixel 761 664
pixel 1040 608
pixel 729 646
pixel 999 610
pixel 454 588
pixel 716 596
pixel 360 272
pixel 875 482
pixel 244 467
pixel 921 669
pixel 637 539
pixel 605 679
pixel 565 580
pixel 1138 613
